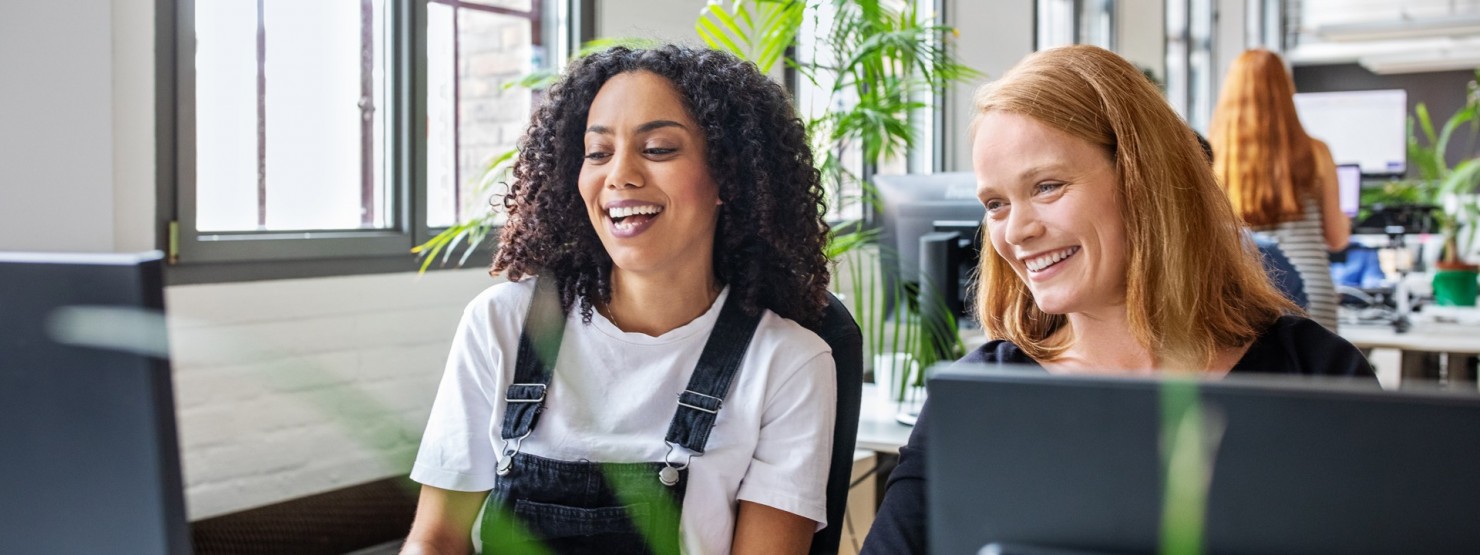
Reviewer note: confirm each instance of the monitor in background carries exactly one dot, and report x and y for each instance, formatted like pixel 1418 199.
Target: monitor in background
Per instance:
pixel 1024 458
pixel 91 461
pixel 910 206
pixel 1349 184
pixel 1367 128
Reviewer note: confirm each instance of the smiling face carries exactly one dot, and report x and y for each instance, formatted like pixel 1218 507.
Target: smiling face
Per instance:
pixel 645 180
pixel 1052 212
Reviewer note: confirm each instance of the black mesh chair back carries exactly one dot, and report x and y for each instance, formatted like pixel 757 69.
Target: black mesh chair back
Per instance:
pixel 840 331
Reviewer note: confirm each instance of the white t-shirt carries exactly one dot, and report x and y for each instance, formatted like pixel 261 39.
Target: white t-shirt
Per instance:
pixel 611 399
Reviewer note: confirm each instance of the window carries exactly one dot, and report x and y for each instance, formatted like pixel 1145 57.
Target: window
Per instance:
pixel 341 129
pixel 289 136
pixel 1066 22
pixel 1190 60
pixel 473 50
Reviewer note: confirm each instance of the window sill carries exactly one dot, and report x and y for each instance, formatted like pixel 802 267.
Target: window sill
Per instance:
pixel 231 272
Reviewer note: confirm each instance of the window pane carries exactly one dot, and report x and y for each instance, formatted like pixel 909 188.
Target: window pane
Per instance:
pixel 314 135
pixel 226 114
pixel 471 116
pixel 521 5
pixel 1055 23
pixel 815 99
pixel 321 127
pixel 441 117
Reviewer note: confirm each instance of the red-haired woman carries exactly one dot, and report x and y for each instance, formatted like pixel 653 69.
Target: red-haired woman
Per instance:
pixel 1281 181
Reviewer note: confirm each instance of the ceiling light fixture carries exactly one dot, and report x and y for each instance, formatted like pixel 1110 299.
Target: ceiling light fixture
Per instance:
pixel 1419 62
pixel 1446 26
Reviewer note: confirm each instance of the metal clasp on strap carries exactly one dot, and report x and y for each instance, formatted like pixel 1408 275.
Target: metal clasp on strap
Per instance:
pixel 668 475
pixel 541 398
pixel 507 463
pixel 718 402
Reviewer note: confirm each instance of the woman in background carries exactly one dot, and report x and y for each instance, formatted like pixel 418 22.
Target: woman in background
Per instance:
pixel 1281 181
pixel 1113 252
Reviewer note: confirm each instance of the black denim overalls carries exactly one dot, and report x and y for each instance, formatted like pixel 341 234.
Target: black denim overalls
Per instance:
pixel 540 505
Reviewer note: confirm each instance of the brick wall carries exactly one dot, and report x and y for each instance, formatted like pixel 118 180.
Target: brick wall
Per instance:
pixel 289 388
pixel 494 50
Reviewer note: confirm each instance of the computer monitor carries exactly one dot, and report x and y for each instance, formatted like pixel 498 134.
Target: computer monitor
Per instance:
pixel 1349 185
pixel 89 460
pixel 1030 461
pixel 1367 128
pixel 910 206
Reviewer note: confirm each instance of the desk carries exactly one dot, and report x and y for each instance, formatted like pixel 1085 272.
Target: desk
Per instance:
pixel 1456 340
pixel 877 429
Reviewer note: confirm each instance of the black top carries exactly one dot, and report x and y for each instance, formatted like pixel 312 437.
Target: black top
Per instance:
pixel 1293 345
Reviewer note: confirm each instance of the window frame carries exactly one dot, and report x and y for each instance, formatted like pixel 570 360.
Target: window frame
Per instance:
pixel 1189 91
pixel 220 257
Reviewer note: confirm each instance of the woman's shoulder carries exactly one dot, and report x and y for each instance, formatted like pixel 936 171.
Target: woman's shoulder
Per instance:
pixel 1293 329
pixel 786 338
pixel 500 306
pixel 1299 345
pixel 505 296
pixel 997 351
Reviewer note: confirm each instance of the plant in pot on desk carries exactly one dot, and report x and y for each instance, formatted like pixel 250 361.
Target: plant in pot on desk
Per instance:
pixel 1454 191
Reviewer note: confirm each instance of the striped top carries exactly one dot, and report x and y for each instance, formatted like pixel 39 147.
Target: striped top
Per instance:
pixel 1304 243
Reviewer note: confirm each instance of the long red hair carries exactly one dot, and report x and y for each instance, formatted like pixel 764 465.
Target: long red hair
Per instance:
pixel 1261 154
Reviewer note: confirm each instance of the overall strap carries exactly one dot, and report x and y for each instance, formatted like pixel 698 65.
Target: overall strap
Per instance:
pixel 539 345
pixel 723 352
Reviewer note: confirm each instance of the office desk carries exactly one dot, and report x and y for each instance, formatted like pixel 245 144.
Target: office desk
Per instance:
pixel 1456 340
pixel 877 429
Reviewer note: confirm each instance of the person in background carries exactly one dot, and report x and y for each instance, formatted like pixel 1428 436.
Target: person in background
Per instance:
pixel 1281 271
pixel 643 383
pixel 1113 252
pixel 1281 181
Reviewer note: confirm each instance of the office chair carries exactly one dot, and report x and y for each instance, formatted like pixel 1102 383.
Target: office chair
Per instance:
pixel 1281 271
pixel 840 331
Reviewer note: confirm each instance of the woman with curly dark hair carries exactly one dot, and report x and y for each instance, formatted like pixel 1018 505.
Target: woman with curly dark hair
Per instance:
pixel 665 238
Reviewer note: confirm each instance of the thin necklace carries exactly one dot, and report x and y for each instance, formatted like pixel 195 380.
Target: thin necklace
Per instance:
pixel 606 310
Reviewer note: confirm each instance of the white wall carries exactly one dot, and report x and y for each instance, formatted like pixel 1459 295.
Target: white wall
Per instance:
pixel 293 387
pixel 994 36
pixel 1140 34
pixel 1229 36
pixel 56 146
pixel 133 125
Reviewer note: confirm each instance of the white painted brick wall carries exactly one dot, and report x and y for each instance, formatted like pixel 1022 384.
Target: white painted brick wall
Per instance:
pixel 294 387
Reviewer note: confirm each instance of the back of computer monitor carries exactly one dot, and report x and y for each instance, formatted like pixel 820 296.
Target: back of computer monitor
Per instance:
pixel 910 205
pixel 90 457
pixel 1023 458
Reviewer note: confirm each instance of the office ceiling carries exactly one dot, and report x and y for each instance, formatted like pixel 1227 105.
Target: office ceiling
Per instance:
pixel 1385 36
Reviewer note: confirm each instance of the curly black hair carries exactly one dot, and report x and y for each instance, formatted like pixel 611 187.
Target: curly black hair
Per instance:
pixel 768 245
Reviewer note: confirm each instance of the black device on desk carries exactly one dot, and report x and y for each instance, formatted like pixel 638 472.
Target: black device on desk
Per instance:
pixel 1034 462
pixel 90 460
pixel 948 259
pixel 912 207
